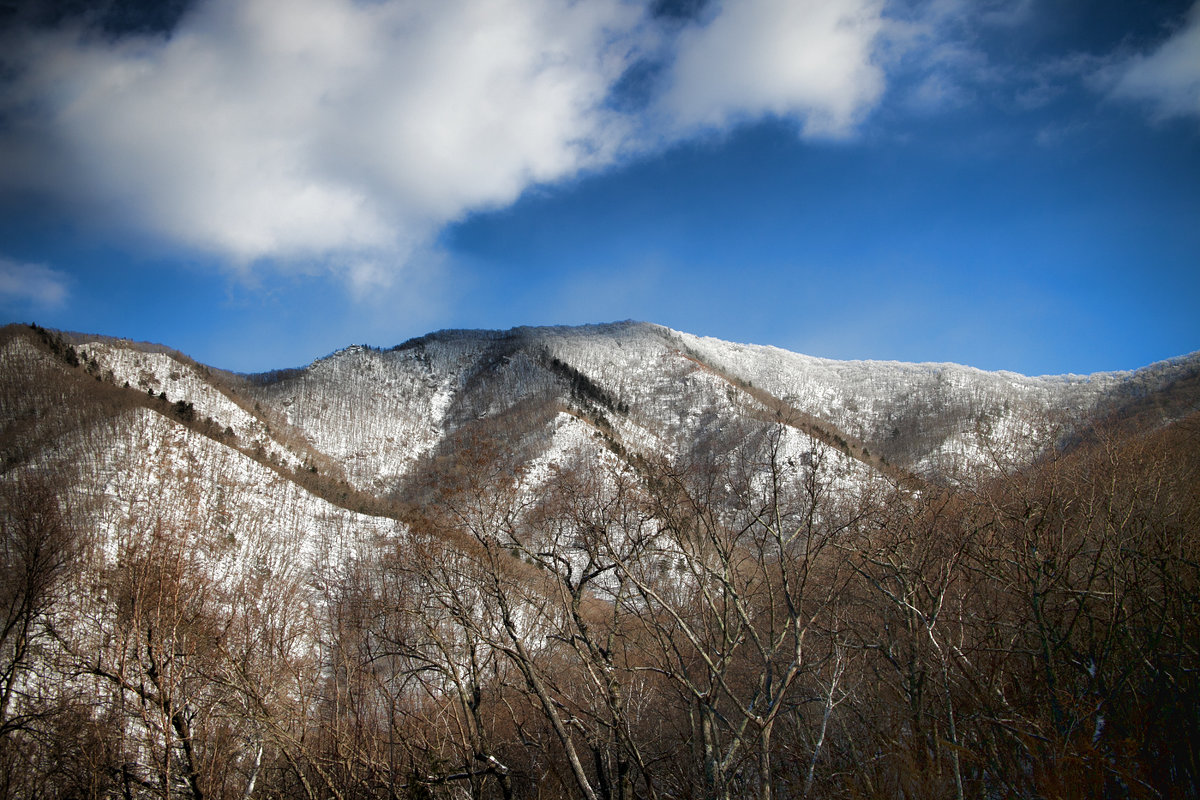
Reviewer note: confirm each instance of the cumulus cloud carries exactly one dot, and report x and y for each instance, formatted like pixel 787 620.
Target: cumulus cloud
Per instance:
pixel 810 60
pixel 31 285
pixel 1169 76
pixel 348 133
pixel 285 128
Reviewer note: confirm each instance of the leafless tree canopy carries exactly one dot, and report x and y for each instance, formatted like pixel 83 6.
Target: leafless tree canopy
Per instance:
pixel 725 623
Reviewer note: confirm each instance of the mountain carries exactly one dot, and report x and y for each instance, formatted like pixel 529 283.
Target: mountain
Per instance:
pixel 646 387
pixel 253 511
pixel 369 416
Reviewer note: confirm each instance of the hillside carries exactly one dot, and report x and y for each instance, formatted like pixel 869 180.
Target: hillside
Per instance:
pixel 609 561
pixel 654 389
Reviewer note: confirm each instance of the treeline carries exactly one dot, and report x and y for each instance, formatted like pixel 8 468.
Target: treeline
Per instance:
pixel 727 626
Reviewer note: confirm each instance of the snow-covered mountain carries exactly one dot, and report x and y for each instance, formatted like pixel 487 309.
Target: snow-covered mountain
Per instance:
pixel 307 451
pixel 237 566
pixel 370 417
pixel 652 389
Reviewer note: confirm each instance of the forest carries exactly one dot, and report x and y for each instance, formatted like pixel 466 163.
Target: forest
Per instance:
pixel 724 627
pixel 726 622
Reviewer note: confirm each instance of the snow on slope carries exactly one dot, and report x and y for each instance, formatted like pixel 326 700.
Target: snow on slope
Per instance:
pixel 376 413
pixel 21 358
pixel 940 417
pixel 158 505
pixel 571 443
pixel 669 403
pixel 159 372
pixel 142 472
pixel 852 392
pixel 935 418
pixel 21 354
pixel 373 412
pixel 668 399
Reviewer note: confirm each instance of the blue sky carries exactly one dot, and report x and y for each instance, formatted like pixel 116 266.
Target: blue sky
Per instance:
pixel 1011 184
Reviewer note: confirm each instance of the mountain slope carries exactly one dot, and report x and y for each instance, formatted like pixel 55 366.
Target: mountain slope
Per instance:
pixel 653 389
pixel 368 416
pixel 538 561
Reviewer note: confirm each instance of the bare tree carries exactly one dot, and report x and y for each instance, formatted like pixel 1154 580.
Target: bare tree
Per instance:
pixel 741 572
pixel 38 546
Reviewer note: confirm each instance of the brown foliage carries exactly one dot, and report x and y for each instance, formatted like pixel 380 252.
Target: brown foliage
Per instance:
pixel 728 623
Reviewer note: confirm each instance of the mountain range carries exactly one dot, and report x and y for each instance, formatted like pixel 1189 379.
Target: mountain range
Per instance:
pixel 370 418
pixel 275 485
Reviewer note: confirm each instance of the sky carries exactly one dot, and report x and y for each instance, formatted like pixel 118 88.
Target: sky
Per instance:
pixel 1009 184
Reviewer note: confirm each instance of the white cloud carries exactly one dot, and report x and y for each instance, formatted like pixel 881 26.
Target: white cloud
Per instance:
pixel 1168 77
pixel 31 284
pixel 810 60
pixel 348 133
pixel 292 128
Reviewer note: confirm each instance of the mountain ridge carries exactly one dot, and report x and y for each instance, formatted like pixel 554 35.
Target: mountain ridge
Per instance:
pixel 915 416
pixel 495 334
pixel 471 526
